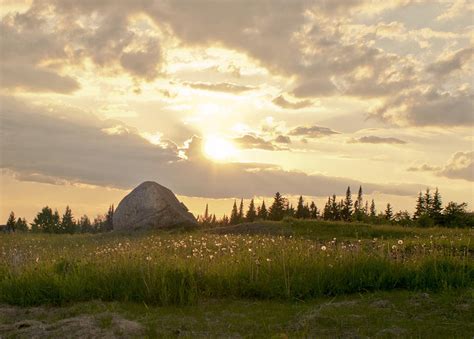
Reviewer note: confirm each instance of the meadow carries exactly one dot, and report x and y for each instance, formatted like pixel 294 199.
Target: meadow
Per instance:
pixel 289 260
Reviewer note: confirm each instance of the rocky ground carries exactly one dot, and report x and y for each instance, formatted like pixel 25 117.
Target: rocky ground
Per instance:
pixel 381 315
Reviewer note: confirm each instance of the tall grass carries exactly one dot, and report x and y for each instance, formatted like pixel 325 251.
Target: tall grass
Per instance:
pixel 181 269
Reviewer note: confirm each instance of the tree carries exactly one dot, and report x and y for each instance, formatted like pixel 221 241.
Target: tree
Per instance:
pixel 206 214
pixel 21 225
pixel 84 225
pixel 428 202
pixel 455 215
pixel 358 205
pixel 327 210
pixel 67 223
pixel 347 206
pixel 437 207
pixel 335 209
pixel 420 207
pixel 389 212
pixel 241 210
pixel 402 218
pixel 11 222
pixel 262 212
pixel 109 220
pixel 234 215
pixel 366 209
pixel 313 211
pixel 277 210
pixel 300 208
pixel 56 225
pixel 44 221
pixel 373 211
pixel 251 214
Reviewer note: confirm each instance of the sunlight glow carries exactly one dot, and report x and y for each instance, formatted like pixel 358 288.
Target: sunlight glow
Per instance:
pixel 219 149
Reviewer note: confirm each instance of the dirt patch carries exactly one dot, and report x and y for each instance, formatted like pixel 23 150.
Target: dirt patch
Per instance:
pixel 105 325
pixel 266 228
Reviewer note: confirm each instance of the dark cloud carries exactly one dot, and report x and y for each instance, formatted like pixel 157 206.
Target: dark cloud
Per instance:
pixel 282 102
pixel 37 146
pixel 454 62
pixel 219 87
pixel 372 139
pixel 429 108
pixel 312 131
pixel 283 139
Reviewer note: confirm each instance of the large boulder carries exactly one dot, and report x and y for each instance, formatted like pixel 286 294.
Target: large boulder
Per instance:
pixel 151 205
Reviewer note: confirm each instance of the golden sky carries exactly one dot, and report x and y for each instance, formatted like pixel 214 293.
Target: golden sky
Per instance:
pixel 227 99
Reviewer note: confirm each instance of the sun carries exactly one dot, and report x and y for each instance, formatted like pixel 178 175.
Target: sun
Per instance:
pixel 219 149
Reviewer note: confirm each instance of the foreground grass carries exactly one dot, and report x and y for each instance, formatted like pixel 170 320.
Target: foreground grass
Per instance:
pixel 181 269
pixel 380 314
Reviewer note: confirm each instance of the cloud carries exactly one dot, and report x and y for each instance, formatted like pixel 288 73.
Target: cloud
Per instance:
pixel 283 139
pixel 372 139
pixel 219 87
pixel 453 62
pixel 249 141
pixel 429 107
pixel 282 102
pixel 460 166
pixel 39 146
pixel 423 168
pixel 312 131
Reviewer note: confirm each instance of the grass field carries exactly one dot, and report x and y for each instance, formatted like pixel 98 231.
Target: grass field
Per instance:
pixel 288 268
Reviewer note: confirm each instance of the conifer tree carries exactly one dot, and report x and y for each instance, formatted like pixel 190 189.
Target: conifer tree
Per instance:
pixel 306 211
pixel 213 220
pixel 373 211
pixel 388 212
pixel 85 225
pixel 241 211
pixel 436 207
pixel 225 220
pixel 335 208
pixel 358 206
pixel 206 217
pixel 327 210
pixel 109 219
pixel 251 214
pixel 366 209
pixel 234 215
pixel 277 210
pixel 420 207
pixel 300 208
pixel 263 213
pixel 43 221
pixel 11 222
pixel 428 202
pixel 56 225
pixel 313 211
pixel 347 206
pixel 67 222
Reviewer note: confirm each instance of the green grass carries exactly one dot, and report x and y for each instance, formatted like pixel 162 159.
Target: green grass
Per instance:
pixel 317 259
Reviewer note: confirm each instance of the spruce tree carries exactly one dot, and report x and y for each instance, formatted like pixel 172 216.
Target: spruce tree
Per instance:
pixel 11 222
pixel 334 208
pixel 56 224
pixel 347 206
pixel 251 214
pixel 277 210
pixel 241 210
pixel 85 225
pixel 373 211
pixel 327 210
pixel 420 207
pixel 206 217
pixel 366 209
pixel 437 207
pixel 313 211
pixel 388 212
pixel 300 208
pixel 234 215
pixel 263 213
pixel 67 223
pixel 428 202
pixel 109 219
pixel 358 206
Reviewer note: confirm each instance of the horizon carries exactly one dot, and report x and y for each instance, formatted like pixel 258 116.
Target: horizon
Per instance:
pixel 301 97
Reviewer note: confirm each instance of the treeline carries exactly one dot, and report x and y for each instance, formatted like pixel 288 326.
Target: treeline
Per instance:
pixel 429 211
pixel 47 221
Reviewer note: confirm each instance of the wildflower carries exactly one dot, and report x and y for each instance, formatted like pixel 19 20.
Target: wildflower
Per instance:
pixel 394 247
pixel 148 258
pixel 400 242
pixel 268 259
pixel 323 248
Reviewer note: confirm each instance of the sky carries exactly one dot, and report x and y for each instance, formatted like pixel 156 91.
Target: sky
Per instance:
pixel 222 100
